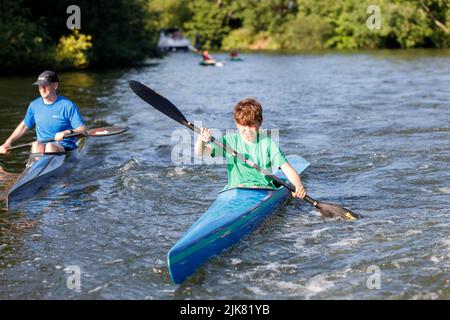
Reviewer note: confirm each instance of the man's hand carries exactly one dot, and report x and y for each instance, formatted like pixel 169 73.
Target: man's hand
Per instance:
pixel 60 135
pixel 4 149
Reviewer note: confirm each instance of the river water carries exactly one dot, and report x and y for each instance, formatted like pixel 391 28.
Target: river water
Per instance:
pixel 374 125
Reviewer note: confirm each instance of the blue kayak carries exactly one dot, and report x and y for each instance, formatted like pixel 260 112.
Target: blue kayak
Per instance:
pixel 235 59
pixel 234 214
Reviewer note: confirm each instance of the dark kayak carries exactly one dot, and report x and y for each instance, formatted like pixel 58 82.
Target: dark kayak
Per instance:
pixel 212 63
pixel 40 169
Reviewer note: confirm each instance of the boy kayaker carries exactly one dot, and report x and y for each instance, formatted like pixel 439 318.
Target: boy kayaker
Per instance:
pixel 53 115
pixel 254 145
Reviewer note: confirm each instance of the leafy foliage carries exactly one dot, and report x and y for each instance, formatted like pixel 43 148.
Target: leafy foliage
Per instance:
pixel 23 42
pixel 33 34
pixel 72 49
pixel 314 24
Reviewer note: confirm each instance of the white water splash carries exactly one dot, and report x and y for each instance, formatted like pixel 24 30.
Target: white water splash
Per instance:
pixel 129 165
pixel 446 243
pixel 178 171
pixel 444 190
pixel 257 291
pixel 346 242
pixel 317 232
pixel 412 232
pixel 318 284
pixel 398 262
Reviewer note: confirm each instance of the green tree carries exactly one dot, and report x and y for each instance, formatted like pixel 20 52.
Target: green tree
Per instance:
pixel 72 49
pixel 212 20
pixel 24 44
pixel 33 34
pixel 121 33
pixel 170 13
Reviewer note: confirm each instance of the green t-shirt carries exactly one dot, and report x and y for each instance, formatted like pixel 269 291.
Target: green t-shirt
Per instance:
pixel 264 152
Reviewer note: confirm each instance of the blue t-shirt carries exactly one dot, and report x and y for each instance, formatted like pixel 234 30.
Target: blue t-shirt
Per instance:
pixel 50 119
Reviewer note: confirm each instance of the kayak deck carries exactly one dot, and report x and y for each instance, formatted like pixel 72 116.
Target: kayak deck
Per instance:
pixel 38 172
pixel 234 214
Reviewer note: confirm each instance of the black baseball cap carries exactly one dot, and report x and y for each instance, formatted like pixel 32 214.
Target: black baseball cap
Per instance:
pixel 46 78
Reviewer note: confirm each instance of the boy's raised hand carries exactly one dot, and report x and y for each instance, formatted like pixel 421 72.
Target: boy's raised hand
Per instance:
pixel 205 134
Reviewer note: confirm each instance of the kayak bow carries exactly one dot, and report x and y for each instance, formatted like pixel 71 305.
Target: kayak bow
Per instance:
pixel 40 169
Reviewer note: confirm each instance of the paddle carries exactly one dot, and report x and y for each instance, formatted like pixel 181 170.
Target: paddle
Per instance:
pixel 169 109
pixel 97 132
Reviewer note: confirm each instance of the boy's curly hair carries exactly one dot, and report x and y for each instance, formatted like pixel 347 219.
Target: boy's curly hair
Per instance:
pixel 248 112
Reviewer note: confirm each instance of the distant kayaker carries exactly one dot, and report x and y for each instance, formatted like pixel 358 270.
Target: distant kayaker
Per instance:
pixel 261 149
pixel 206 57
pixel 54 117
pixel 233 54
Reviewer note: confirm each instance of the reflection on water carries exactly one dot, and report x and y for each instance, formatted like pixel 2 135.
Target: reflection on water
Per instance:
pixel 6 180
pixel 374 125
pixel 80 80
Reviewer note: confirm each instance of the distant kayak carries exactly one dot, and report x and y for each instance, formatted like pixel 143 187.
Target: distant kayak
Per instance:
pixel 212 63
pixel 235 59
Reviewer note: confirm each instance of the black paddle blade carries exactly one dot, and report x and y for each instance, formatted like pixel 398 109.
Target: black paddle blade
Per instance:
pixel 105 131
pixel 331 210
pixel 157 101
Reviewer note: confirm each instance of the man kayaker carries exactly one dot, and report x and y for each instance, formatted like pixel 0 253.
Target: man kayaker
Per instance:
pixel 54 116
pixel 254 145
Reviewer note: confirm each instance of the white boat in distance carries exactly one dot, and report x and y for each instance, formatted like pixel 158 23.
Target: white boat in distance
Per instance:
pixel 173 40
